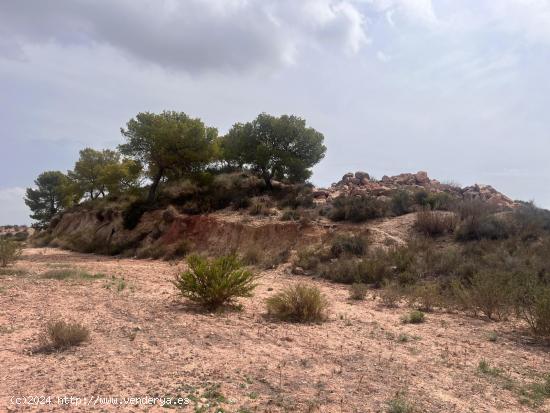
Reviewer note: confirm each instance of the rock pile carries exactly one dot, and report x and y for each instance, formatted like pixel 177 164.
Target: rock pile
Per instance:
pixel 361 183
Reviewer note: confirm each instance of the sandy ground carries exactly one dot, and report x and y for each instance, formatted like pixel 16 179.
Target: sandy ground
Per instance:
pixel 147 341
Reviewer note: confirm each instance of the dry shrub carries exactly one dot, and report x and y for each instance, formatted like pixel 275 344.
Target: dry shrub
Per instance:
pixel 261 206
pixel 300 303
pixel 489 292
pixel 533 306
pixel 308 259
pixel 435 223
pixel 390 294
pixel 214 283
pixel 426 296
pixel 10 251
pixel 61 334
pixel 358 291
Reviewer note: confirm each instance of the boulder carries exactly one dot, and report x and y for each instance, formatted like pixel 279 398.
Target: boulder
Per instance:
pixel 422 177
pixel 362 176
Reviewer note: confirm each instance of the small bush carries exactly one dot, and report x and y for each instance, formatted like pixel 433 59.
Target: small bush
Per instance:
pixel 357 208
pixel 346 271
pixel 308 259
pixel 10 251
pixel 348 244
pixel 487 227
pixel 432 223
pixel 61 334
pixel 534 308
pixel 426 296
pixel 290 215
pixel 399 405
pixel 401 202
pixel 489 292
pixel 390 294
pixel 298 303
pixel 414 317
pixel 213 283
pixel 358 291
pixel 261 206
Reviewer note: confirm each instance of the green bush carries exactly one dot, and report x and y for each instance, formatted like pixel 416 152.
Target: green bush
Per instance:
pixel 299 303
pixel 10 251
pixel 357 208
pixel 414 317
pixel 533 306
pixel 401 202
pixel 426 296
pixel 434 223
pixel 486 227
pixel 290 215
pixel 489 292
pixel 348 245
pixel 213 283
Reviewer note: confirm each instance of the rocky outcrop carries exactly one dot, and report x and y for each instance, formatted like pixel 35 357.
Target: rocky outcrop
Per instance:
pixel 361 183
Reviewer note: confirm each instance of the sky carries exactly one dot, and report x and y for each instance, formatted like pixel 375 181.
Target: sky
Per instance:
pixel 457 88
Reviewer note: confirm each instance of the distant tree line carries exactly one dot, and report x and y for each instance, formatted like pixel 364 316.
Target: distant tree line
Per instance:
pixel 171 146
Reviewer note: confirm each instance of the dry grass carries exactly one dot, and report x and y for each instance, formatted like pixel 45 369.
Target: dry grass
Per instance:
pixel 299 303
pixel 61 334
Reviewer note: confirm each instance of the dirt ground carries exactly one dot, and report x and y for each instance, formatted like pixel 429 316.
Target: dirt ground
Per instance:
pixel 146 341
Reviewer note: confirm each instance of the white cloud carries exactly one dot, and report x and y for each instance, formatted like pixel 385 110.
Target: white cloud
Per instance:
pixel 193 36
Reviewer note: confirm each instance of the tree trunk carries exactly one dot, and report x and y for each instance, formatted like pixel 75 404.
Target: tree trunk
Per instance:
pixel 154 186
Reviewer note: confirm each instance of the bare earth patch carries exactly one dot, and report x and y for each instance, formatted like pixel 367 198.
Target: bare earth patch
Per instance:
pixel 145 340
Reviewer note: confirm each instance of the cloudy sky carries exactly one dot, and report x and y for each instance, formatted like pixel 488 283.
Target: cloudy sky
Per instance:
pixel 458 88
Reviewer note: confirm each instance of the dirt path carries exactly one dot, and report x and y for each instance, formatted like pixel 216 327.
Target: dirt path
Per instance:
pixel 146 341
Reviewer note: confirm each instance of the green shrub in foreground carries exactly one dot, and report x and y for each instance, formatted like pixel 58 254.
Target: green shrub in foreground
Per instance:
pixel 216 282
pixel 10 251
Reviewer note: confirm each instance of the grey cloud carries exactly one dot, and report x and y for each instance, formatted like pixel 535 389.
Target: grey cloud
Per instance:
pixel 195 35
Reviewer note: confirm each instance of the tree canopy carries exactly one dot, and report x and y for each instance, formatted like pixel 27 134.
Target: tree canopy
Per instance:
pixel 97 173
pixel 276 147
pixel 168 143
pixel 50 196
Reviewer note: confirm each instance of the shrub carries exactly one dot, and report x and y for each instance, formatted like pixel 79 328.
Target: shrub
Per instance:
pixel 10 251
pixel 399 405
pixel 345 271
pixel 534 308
pixel 489 292
pixel 261 206
pixel 401 202
pixel 348 244
pixel 414 317
pixel 298 303
pixel 358 291
pixel 531 221
pixel 297 196
pixel 308 259
pixel 390 294
pixel 426 296
pixel 61 334
pixel 357 208
pixel 290 215
pixel 213 283
pixel 485 227
pixel 432 223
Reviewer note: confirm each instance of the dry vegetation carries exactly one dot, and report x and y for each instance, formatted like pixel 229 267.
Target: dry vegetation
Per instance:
pixel 365 356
